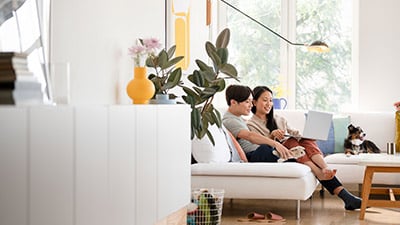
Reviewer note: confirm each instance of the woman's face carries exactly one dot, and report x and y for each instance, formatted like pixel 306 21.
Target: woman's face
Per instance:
pixel 263 103
pixel 243 108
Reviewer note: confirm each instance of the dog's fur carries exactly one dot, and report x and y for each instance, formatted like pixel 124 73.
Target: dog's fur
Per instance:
pixel 297 151
pixel 356 143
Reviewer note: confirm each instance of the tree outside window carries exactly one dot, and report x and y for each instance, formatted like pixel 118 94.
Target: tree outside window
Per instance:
pixel 321 81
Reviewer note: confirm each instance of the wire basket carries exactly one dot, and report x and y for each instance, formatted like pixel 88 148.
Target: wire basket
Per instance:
pixel 205 207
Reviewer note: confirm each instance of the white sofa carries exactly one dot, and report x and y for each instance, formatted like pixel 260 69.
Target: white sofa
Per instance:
pixel 276 180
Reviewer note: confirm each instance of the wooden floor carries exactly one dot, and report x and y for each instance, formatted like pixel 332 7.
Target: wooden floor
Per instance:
pixel 320 211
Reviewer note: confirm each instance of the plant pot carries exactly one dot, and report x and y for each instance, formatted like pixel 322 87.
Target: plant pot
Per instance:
pixel 162 99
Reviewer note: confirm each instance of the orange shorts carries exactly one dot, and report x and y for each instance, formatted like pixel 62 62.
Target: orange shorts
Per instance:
pixel 311 148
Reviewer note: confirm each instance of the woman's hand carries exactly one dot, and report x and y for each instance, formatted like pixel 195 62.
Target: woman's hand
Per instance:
pixel 283 151
pixel 278 134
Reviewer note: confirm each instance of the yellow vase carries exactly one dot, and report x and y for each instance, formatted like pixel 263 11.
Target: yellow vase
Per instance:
pixel 140 89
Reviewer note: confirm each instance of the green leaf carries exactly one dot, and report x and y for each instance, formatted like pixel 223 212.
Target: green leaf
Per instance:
pixel 208 92
pixel 229 70
pixel 173 79
pixel 223 38
pixel 150 62
pixel 162 58
pixel 210 48
pixel 203 66
pixel 219 85
pixel 171 51
pixel 196 118
pixel 209 76
pixel 223 55
pixel 172 62
pixel 197 78
pixel 217 118
pixel 209 135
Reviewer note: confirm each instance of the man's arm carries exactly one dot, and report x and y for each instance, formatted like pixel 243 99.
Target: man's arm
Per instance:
pixel 259 139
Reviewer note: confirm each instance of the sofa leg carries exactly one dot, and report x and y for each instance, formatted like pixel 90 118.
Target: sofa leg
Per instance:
pixel 297 209
pixel 322 192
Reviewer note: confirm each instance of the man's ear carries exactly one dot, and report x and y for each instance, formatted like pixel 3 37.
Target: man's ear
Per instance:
pixel 233 102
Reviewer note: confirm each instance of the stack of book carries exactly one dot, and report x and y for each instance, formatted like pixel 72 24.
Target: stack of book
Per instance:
pixel 18 85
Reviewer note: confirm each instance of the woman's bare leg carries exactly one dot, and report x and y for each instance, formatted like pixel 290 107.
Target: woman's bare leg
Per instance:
pixel 318 172
pixel 320 162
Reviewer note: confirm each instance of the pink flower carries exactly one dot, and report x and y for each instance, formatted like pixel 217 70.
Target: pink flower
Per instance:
pixel 152 43
pixel 135 50
pixel 143 49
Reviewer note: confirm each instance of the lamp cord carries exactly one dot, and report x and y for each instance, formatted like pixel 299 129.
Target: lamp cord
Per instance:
pixel 238 10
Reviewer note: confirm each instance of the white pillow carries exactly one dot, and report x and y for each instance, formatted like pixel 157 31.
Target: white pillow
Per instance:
pixel 203 150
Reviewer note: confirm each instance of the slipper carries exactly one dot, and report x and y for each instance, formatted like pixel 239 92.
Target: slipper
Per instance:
pixel 275 217
pixel 255 216
pixel 255 220
pixel 261 221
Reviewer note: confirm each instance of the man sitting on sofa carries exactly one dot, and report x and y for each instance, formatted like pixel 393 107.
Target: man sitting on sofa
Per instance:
pixel 258 148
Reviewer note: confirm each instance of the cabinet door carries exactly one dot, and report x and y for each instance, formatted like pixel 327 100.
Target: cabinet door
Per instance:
pixel 51 165
pixel 174 149
pixel 146 164
pixel 13 166
pixel 91 165
pixel 122 165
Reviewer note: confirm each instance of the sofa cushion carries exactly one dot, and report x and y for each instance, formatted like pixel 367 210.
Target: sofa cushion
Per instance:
pixel 238 155
pixel 203 151
pixel 341 158
pixel 289 170
pixel 337 134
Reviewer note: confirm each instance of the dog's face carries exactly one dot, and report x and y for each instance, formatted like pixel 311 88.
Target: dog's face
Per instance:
pixel 356 135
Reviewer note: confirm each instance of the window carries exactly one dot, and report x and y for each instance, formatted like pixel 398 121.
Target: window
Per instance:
pixel 21 31
pixel 308 80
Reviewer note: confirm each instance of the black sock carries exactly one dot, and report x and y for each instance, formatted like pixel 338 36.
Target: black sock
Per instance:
pixel 351 202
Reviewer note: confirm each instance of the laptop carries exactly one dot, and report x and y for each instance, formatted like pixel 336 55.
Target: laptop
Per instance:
pixel 317 125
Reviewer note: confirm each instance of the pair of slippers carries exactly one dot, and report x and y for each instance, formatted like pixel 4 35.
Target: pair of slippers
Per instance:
pixel 268 218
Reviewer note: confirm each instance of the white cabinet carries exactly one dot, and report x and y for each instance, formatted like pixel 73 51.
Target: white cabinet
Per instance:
pixel 93 165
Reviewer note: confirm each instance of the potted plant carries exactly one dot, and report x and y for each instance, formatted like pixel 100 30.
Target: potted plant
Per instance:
pixel 165 75
pixel 207 81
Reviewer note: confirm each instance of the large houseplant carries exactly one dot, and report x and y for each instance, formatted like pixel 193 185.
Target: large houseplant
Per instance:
pixel 207 81
pixel 165 75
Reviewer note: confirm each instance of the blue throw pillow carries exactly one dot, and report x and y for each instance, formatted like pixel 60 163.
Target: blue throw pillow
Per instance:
pixel 337 134
pixel 328 147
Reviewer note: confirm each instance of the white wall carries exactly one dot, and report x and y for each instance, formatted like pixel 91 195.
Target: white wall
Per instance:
pixel 379 54
pixel 95 38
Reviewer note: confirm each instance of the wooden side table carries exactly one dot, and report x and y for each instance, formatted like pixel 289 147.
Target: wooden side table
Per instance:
pixel 379 164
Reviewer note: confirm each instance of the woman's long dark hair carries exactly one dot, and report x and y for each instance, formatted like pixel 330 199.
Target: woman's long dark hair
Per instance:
pixel 257 92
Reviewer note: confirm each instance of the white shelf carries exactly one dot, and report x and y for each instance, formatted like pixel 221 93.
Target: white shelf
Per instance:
pixel 103 165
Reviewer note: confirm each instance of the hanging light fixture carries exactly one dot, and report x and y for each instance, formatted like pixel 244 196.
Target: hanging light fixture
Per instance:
pixel 316 46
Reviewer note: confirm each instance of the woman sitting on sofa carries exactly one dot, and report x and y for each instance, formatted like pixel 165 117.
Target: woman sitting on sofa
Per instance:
pixel 258 148
pixel 275 127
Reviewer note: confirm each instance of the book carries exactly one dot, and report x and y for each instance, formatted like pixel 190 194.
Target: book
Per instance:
pixel 16 65
pixel 12 75
pixel 6 97
pixel 22 84
pixel 13 54
pixel 15 72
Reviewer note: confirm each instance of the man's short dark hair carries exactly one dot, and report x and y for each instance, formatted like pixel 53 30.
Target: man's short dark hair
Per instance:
pixel 239 93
